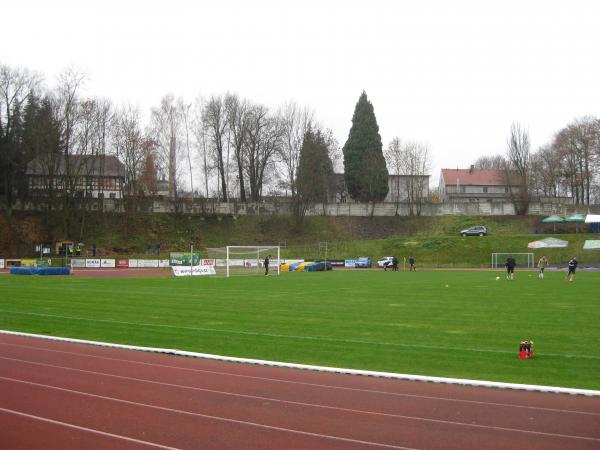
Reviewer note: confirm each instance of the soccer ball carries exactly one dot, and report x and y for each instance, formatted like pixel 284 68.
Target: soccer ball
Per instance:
pixel 497 278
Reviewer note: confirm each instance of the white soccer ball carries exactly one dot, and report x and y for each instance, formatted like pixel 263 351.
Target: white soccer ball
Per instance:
pixel 497 278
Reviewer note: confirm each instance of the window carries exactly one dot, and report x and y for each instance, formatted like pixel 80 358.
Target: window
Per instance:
pixel 506 190
pixel 485 189
pixel 113 195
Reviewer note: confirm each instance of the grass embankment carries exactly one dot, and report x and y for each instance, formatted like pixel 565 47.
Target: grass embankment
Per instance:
pixel 442 323
pixel 431 240
pixel 455 251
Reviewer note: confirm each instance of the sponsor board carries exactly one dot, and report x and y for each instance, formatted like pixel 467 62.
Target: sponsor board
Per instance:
pixel 183 258
pixel 148 263
pixel 122 263
pixel 350 263
pixel 133 263
pixel 77 263
pixel 208 262
pixel 163 263
pixel 337 262
pixel 183 271
pixel 92 263
pixel 1 263
pixel 27 262
pixel 107 263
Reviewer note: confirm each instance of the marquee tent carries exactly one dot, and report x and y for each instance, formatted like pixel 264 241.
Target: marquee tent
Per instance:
pixel 548 243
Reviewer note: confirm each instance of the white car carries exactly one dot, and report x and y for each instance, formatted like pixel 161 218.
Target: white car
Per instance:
pixel 385 261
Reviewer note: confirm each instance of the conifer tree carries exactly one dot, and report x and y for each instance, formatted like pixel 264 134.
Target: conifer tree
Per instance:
pixel 365 171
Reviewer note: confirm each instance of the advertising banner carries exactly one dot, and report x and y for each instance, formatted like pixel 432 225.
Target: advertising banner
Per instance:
pixel 337 262
pixel 92 263
pixel 27 262
pixel 183 271
pixel 107 263
pixel 133 263
pixel 122 263
pixel 77 263
pixel 148 263
pixel 350 263
pixel 163 263
pixel 208 262
pixel 183 258
pixel 1 263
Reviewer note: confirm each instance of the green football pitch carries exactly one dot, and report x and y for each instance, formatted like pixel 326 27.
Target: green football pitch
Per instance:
pixel 463 324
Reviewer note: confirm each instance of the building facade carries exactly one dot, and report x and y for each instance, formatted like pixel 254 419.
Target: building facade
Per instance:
pixel 100 176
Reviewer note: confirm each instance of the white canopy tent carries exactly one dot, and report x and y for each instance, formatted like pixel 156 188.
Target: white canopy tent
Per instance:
pixel 548 243
pixel 592 218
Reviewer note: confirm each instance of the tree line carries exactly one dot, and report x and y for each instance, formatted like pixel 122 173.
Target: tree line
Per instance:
pixel 567 166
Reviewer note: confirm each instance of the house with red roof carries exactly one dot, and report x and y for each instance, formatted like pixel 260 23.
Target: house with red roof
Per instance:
pixel 476 185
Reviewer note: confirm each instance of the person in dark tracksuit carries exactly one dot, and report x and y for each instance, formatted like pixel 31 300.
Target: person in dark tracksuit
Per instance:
pixel 411 262
pixel 266 264
pixel 510 268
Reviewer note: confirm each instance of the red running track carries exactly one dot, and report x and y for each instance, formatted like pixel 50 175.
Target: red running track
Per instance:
pixel 56 395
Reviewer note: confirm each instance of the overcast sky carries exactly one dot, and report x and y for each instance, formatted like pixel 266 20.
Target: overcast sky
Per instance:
pixel 452 74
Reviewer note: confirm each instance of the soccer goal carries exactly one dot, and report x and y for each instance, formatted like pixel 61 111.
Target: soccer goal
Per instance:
pixel 244 260
pixel 524 260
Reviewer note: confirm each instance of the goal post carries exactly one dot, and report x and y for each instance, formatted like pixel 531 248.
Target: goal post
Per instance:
pixel 524 260
pixel 245 259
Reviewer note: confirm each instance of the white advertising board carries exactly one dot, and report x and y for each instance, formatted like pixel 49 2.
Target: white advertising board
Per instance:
pixel 133 263
pixel 350 263
pixel 78 263
pixel 163 263
pixel 184 271
pixel 153 263
pixel 107 263
pixel 208 262
pixel 1 263
pixel 93 263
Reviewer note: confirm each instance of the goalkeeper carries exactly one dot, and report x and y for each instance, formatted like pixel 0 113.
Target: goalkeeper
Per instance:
pixel 266 264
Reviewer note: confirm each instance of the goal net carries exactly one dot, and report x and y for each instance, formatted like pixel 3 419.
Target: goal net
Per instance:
pixel 244 260
pixel 524 260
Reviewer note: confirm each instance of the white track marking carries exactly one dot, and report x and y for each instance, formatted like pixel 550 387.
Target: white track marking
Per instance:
pixel 287 336
pixel 89 430
pixel 325 369
pixel 300 383
pixel 207 416
pixel 256 397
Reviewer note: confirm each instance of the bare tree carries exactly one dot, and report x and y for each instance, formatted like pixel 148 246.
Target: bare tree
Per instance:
pixel 394 158
pixel 166 127
pixel 496 162
pixel 215 123
pixel 237 111
pixel 518 167
pixel 202 142
pixel 128 143
pixel 263 142
pixel 296 121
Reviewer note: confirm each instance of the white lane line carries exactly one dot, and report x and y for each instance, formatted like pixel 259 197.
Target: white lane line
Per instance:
pixel 207 416
pixel 88 430
pixel 226 419
pixel 288 336
pixel 304 383
pixel 235 394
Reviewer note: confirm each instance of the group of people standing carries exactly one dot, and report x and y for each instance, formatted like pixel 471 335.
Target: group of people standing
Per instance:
pixel 542 264
pixel 394 264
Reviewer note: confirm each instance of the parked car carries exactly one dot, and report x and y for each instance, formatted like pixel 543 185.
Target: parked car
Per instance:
pixel 385 261
pixel 478 230
pixel 364 262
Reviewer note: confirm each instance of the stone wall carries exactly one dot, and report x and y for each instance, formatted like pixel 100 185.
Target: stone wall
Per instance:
pixel 543 207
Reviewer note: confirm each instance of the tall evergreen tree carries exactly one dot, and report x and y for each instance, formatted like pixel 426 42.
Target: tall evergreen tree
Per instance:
pixel 314 180
pixel 365 171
